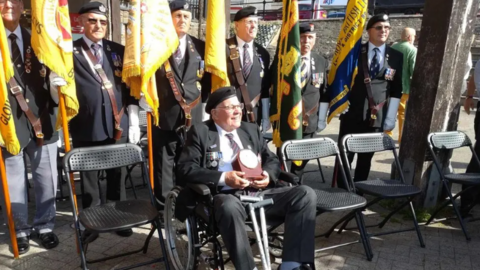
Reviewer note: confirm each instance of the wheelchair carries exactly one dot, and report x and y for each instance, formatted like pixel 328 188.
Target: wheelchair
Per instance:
pixel 195 241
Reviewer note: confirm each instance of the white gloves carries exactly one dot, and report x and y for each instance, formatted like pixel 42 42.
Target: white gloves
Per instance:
pixel 391 116
pixel 143 103
pixel 205 115
pixel 322 116
pixel 55 82
pixel 266 125
pixel 133 124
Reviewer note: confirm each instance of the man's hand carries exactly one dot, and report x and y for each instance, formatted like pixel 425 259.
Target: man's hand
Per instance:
pixel 234 179
pixel 261 184
pixel 468 104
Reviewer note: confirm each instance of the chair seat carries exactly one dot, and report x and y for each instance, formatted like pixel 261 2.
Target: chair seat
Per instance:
pixel 117 215
pixel 386 188
pixel 464 178
pixel 333 199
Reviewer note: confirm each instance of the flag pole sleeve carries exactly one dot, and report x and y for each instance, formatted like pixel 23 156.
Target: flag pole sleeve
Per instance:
pixel 150 148
pixel 6 195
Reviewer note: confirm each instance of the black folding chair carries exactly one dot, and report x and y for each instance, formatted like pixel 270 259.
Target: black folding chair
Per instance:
pixel 448 141
pixel 329 199
pixel 115 216
pixel 379 188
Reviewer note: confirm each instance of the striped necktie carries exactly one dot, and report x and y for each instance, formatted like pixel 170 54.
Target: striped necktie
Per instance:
pixel 96 51
pixel 178 56
pixel 16 55
pixel 304 71
pixel 247 62
pixel 375 65
pixel 233 144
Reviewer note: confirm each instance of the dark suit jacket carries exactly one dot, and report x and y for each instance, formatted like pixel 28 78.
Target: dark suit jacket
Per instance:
pixel 38 98
pixel 203 138
pixel 315 89
pixel 191 83
pixel 382 89
pixel 95 120
pixel 258 81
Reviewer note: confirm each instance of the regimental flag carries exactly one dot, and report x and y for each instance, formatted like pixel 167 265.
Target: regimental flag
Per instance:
pixel 52 43
pixel 151 39
pixel 286 97
pixel 8 134
pixel 345 60
pixel 215 56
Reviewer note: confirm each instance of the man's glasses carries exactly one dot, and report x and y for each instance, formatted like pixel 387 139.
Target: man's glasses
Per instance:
pixel 380 27
pixel 95 21
pixel 232 107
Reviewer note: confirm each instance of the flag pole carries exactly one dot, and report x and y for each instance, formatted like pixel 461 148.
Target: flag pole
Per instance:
pixel 150 148
pixel 6 195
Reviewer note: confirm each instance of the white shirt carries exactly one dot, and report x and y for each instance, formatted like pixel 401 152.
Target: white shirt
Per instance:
pixel 89 43
pixel 240 45
pixel 308 62
pixel 18 33
pixel 227 153
pixel 380 56
pixel 183 45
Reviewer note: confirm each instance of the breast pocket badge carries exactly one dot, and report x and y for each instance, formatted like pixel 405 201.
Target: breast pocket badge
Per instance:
pixel 201 69
pixel 389 74
pixel 316 79
pixel 199 86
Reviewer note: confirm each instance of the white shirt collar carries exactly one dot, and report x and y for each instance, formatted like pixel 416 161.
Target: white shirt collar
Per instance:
pixel 89 42
pixel 183 44
pixel 308 55
pixel 371 47
pixel 241 42
pixel 17 32
pixel 222 132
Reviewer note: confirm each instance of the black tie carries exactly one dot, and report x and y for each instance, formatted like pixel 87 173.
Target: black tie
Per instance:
pixel 16 55
pixel 247 62
pixel 375 64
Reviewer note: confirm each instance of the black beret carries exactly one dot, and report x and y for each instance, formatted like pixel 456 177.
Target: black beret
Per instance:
pixel 178 5
pixel 245 12
pixel 218 96
pixel 306 28
pixel 377 18
pixel 93 7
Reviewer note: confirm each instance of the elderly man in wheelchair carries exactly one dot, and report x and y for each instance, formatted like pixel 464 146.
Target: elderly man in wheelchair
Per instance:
pixel 211 201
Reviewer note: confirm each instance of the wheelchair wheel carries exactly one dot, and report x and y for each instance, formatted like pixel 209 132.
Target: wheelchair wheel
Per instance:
pixel 181 236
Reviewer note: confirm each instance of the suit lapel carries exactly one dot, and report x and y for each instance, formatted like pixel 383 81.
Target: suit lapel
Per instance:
pixel 79 55
pixel 245 139
pixel 189 57
pixel 213 144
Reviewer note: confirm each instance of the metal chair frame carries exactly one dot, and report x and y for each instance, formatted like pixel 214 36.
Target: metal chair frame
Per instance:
pixel 323 147
pixel 78 160
pixel 450 140
pixel 387 144
pixel 142 117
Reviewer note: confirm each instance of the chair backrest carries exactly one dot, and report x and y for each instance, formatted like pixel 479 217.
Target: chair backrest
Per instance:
pixel 142 118
pixel 306 149
pixel 448 140
pixel 102 157
pixel 367 143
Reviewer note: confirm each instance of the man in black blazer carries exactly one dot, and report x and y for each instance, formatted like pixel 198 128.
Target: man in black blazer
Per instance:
pixel 254 62
pixel 207 158
pixel 313 81
pixel 385 72
pixel 28 95
pixel 194 85
pixel 96 123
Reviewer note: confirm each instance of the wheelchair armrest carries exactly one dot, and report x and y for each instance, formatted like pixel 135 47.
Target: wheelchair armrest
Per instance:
pixel 200 189
pixel 289 178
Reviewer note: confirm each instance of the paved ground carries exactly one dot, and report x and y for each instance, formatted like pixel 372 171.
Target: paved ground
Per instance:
pixel 446 247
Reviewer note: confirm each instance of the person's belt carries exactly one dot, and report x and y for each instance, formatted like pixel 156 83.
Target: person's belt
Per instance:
pixel 374 108
pixel 17 92
pixel 306 115
pixel 237 68
pixel 187 108
pixel 109 87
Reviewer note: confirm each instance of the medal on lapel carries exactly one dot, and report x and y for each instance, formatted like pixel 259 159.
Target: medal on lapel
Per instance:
pixel 389 74
pixel 75 51
pixel 199 86
pixel 313 63
pixel 220 159
pixel 28 60
pixel 201 69
pixel 108 48
pixel 316 79
pixel 191 46
pixel 262 73
pixel 321 78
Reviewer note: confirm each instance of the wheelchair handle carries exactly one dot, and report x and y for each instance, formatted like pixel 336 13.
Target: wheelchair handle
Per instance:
pixel 244 198
pixel 262 203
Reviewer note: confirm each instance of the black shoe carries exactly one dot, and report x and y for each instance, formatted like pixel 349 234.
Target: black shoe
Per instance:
pixel 48 240
pixel 23 244
pixel 88 236
pixel 125 233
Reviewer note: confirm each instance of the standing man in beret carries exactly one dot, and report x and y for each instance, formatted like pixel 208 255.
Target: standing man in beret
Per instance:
pixel 182 99
pixel 32 111
pixel 207 159
pixel 313 81
pixel 376 93
pixel 107 114
pixel 247 68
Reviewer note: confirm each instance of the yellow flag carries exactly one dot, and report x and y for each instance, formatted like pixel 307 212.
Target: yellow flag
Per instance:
pixel 215 56
pixel 151 40
pixel 7 127
pixel 52 43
